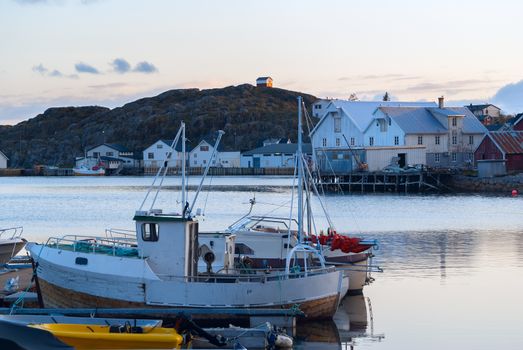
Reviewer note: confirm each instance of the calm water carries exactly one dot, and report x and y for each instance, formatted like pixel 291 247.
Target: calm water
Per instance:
pixel 452 263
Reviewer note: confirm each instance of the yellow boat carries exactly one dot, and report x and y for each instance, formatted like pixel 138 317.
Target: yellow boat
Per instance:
pixel 82 336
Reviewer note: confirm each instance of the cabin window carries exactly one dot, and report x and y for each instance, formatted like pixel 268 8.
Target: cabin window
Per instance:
pixel 436 140
pixel 454 121
pixel 352 141
pixel 204 148
pixel 337 142
pixel 396 140
pixel 324 142
pixel 96 154
pixel 454 157
pixel 150 232
pixel 109 154
pixel 471 139
pixel 436 157
pixel 371 141
pixel 159 145
pixel 150 155
pixel 454 138
pixel 420 140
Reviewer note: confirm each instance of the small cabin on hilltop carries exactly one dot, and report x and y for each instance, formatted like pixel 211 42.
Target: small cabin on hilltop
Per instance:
pixel 264 82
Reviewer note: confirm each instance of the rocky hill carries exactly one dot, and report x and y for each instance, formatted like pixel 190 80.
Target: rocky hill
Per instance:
pixel 246 113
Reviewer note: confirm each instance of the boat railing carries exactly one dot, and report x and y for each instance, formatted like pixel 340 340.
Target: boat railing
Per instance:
pixel 252 276
pixel 120 234
pixel 95 244
pixel 11 232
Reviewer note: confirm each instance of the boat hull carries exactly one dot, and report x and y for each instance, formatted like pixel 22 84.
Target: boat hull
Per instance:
pixel 59 297
pixel 117 282
pixel 9 248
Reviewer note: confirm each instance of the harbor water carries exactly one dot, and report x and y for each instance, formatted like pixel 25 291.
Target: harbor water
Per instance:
pixel 452 263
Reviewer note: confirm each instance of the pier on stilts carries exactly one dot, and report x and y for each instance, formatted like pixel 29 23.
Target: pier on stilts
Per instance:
pixel 375 182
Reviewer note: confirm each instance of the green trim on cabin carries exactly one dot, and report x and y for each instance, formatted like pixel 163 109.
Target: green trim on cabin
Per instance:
pixel 158 218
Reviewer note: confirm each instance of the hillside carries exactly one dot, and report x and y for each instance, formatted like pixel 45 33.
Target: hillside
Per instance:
pixel 247 115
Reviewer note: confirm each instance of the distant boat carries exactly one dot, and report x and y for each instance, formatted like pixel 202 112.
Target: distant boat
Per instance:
pixel 11 242
pixel 86 171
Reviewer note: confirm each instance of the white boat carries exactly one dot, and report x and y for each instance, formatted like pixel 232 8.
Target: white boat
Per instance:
pixel 89 171
pixel 11 242
pixel 160 269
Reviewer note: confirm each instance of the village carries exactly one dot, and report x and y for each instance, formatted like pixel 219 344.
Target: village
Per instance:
pixel 348 137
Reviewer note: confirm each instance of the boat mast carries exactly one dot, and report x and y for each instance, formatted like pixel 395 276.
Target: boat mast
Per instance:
pixel 183 169
pixel 300 173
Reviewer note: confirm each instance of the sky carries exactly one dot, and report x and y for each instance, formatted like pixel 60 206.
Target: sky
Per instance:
pixel 110 52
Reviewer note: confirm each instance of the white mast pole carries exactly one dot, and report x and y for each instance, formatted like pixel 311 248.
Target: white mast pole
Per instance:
pixel 300 173
pixel 183 168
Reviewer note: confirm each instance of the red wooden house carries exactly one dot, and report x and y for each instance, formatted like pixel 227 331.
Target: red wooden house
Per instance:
pixel 507 145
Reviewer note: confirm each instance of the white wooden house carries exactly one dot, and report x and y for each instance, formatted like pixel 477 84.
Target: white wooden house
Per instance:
pixel 114 153
pixel 156 154
pixel 281 155
pixel 344 132
pixel 200 156
pixel 3 160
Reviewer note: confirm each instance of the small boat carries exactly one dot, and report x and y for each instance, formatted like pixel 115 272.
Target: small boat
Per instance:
pixel 86 171
pixel 84 336
pixel 11 242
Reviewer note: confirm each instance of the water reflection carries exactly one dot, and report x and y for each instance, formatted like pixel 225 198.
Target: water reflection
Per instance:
pixel 352 325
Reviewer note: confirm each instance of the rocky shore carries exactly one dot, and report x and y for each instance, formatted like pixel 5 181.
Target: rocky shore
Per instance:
pixel 492 184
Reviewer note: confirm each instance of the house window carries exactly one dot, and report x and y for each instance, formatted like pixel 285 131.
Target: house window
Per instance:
pixel 337 142
pixel 396 140
pixel 195 163
pixel 324 142
pixel 150 232
pixel 486 111
pixel 150 155
pixel 454 157
pixel 436 140
pixel 159 146
pixel 337 124
pixel 454 121
pixel 454 138
pixel 352 141
pixel 195 155
pixel 420 140
pixel 204 148
pixel 436 157
pixel 371 141
pixel 109 154
pixel 471 139
pixel 390 121
pixel 204 161
pixel 96 154
pixel 383 125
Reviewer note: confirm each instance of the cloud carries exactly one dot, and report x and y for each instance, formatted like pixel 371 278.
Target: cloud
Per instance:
pixel 120 65
pixel 510 97
pixel 55 2
pixel 40 69
pixel 52 73
pixel 107 86
pixel 145 67
pixel 85 68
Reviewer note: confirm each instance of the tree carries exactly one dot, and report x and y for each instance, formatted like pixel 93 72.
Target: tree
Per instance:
pixel 353 97
pixel 386 97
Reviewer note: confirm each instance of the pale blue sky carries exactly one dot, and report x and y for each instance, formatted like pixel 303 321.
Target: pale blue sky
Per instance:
pixel 63 52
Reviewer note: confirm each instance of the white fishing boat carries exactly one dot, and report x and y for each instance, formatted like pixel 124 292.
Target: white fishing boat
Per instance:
pixel 83 170
pixel 160 268
pixel 11 242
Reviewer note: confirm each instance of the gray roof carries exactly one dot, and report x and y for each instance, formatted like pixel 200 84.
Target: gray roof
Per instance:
pixel 415 120
pixel 362 112
pixel 425 121
pixel 279 148
pixel 114 146
pixel 471 124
